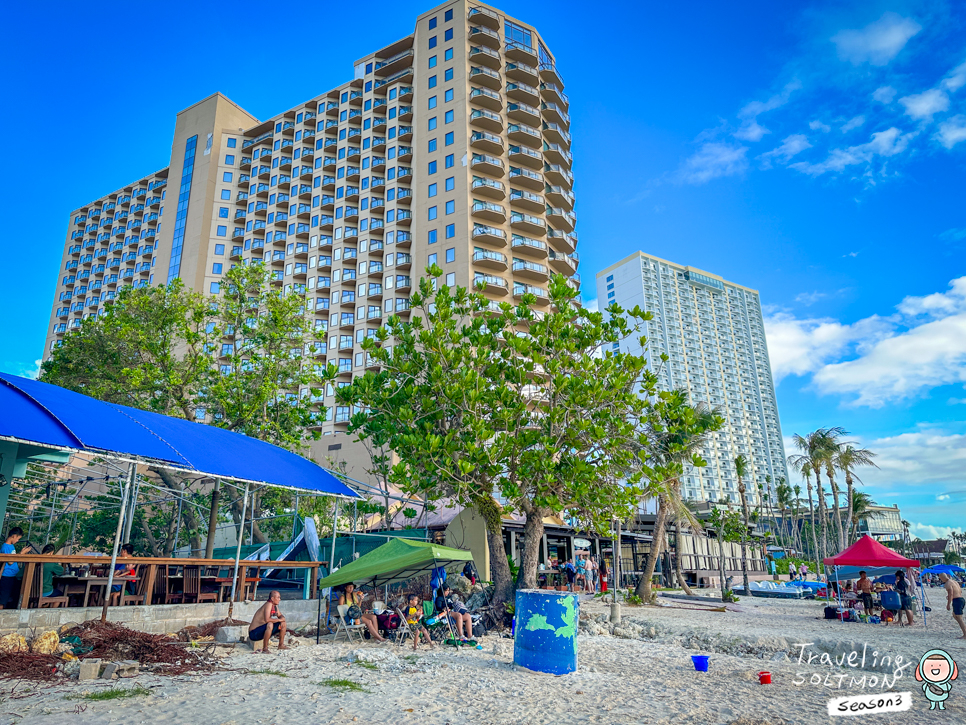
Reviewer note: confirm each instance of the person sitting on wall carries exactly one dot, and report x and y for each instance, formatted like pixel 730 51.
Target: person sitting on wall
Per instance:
pixel 51 570
pixel 266 623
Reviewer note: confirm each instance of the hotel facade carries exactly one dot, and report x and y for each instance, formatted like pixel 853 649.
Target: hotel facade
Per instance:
pixel 450 146
pixel 712 333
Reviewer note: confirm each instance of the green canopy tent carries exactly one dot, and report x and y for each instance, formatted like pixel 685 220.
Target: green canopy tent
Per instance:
pixel 397 560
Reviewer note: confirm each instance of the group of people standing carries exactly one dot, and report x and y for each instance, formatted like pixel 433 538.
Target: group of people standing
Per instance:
pixel 797 573
pixel 584 574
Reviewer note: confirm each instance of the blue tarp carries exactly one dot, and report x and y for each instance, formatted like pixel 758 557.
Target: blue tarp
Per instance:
pixel 35 412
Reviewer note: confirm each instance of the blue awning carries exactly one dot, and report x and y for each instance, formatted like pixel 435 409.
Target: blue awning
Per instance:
pixel 47 415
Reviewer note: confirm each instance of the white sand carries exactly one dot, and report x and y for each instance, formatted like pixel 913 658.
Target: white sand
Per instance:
pixel 621 679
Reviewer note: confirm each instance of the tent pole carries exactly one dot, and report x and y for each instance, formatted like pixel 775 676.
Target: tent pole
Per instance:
pixel 449 620
pixel 295 516
pixel 241 533
pixel 335 527
pixel 129 517
pixel 117 538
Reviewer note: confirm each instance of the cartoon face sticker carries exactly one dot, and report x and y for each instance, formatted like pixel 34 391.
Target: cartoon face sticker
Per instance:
pixel 936 671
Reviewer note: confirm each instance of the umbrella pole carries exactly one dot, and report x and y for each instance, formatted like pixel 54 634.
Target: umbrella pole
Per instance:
pixel 241 533
pixel 117 539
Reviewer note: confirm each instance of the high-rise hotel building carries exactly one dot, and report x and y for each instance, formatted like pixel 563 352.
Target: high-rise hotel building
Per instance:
pixel 451 145
pixel 712 333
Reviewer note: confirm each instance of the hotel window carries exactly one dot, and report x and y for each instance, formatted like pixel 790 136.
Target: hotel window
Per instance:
pixel 450 231
pixel 216 268
pixel 448 55
pixel 451 279
pixel 432 213
pixel 450 207
pixel 432 23
pixel 231 143
pixel 432 166
pixel 432 42
pixel 432 122
pixel 448 95
pixel 448 15
pixel 222 231
pixel 432 190
pixel 229 160
pixel 449 161
pixel 451 254
pixel 448 35
pixel 223 212
pixel 450 183
pixel 432 145
pixel 449 117
pixel 432 81
pixel 432 102
pixel 226 176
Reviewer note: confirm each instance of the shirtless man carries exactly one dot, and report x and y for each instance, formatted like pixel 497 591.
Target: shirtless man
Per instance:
pixel 864 589
pixel 954 600
pixel 266 623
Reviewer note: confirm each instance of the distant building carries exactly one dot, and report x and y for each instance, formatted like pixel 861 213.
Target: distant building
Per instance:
pixel 928 552
pixel 712 333
pixel 882 523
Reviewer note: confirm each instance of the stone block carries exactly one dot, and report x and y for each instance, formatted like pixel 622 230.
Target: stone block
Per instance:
pixel 90 669
pixel 110 672
pixel 128 668
pixel 232 634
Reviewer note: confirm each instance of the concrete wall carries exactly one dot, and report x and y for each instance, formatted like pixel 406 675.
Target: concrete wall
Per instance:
pixel 157 619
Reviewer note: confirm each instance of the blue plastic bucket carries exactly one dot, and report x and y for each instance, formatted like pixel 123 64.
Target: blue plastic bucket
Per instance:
pixel 700 662
pixel 545 639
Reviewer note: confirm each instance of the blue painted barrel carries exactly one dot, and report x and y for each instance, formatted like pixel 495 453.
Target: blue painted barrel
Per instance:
pixel 546 631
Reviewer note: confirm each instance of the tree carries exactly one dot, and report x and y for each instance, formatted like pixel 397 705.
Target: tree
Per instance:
pixel 905 535
pixel 676 432
pixel 475 400
pixel 741 469
pixel 815 450
pixel 827 448
pixel 847 458
pixel 859 506
pixel 234 359
pixel 727 527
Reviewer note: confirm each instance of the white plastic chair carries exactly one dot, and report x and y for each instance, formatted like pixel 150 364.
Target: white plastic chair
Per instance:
pixel 378 607
pixel 346 628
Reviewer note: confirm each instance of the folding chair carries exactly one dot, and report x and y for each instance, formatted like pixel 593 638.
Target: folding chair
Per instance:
pixel 404 630
pixel 440 629
pixel 348 629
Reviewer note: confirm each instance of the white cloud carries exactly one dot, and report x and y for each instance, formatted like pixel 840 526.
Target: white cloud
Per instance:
pixel 791 146
pixel 810 298
pixel 927 350
pixel 885 94
pixel 751 130
pixel 819 126
pixel 853 123
pixel 942 497
pixel 29 371
pixel 591 305
pixel 953 235
pixel 883 144
pixel 878 42
pixel 952 131
pixel 923 106
pixel 955 79
pixel 927 532
pixel 712 161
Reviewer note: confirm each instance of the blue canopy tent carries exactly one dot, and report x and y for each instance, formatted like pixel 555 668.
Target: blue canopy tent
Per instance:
pixel 42 421
pixel 944 569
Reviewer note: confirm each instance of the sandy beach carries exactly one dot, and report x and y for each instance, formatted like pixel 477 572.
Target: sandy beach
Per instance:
pixel 639 672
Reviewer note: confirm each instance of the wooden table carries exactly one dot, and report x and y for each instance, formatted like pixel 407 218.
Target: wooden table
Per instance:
pixel 76 584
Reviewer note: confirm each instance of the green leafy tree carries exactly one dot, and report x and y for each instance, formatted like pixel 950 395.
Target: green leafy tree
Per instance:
pixel 847 459
pixel 728 527
pixel 477 400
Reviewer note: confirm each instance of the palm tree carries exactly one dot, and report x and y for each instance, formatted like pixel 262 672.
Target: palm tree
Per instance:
pixel 905 535
pixel 797 500
pixel 859 505
pixel 827 449
pixel 847 458
pixel 815 450
pixel 678 436
pixel 804 464
pixel 784 495
pixel 741 468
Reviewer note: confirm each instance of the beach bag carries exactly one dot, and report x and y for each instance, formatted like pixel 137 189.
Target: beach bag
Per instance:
pixel 831 613
pixel 388 621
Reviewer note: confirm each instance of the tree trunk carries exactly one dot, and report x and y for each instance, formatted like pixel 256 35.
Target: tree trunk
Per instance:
pixel 644 585
pixel 721 566
pixel 499 566
pixel 744 537
pixel 532 542
pixel 213 520
pixel 838 510
pixel 811 510
pixel 822 523
pixel 187 511
pixel 852 524
pixel 678 546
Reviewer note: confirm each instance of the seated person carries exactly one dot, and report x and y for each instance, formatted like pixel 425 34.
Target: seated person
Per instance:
pixel 266 623
pixel 355 615
pixel 125 569
pixel 414 616
pixel 448 602
pixel 50 571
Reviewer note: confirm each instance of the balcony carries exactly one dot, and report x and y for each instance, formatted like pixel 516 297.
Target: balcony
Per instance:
pixel 487 98
pixel 485 141
pixel 486 77
pixel 553 93
pixel 527 200
pixel 488 211
pixel 529 246
pixel 404 196
pixel 405 153
pixel 519 290
pixel 525 134
pixel 562 241
pixel 490 260
pixel 531 270
pixel 526 177
pixel 548 73
pixel 487 164
pixel 486 119
pixel 395 63
pixel 485 56
pixel 405 133
pixel 526 155
pixel 404 174
pixel 565 264
pixel 484 16
pixel 404 239
pixel 528 223
pixel 403 261
pixel 523 92
pixel 556 133
pixel 555 153
pixel 561 218
pixel 404 217
pixel 484 36
pixel 515 50
pixel 488 187
pixel 555 113
pixel 523 112
pixel 376 247
pixel 491 283
pixel 488 234
pixel 557 174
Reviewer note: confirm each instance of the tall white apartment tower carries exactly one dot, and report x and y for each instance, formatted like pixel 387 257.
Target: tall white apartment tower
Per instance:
pixel 712 333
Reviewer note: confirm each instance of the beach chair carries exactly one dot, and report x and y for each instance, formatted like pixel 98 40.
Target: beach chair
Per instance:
pixel 404 630
pixel 439 628
pixel 348 629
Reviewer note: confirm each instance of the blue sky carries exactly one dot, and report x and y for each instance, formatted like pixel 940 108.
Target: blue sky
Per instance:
pixel 815 152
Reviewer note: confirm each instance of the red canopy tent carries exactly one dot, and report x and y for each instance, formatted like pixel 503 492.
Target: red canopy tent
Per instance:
pixel 869 552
